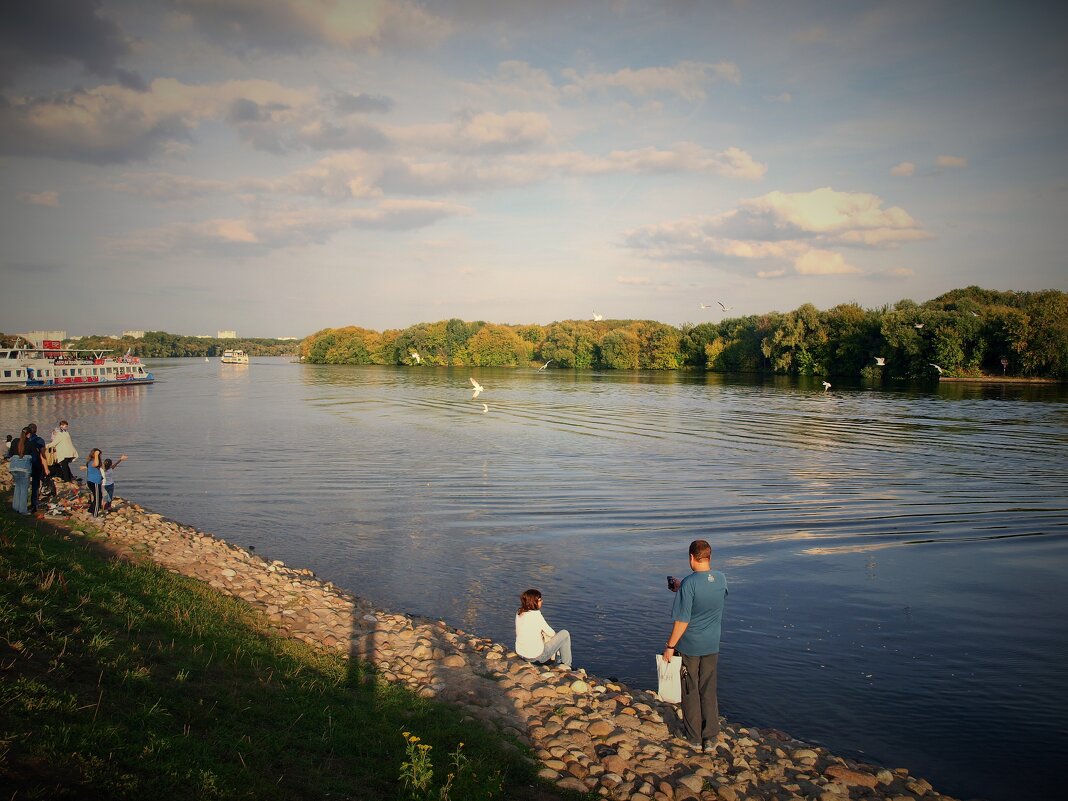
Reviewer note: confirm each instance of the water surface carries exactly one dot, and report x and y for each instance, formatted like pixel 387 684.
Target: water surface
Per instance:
pixel 896 557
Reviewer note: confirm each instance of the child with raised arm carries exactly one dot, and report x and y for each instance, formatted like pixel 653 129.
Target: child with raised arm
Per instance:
pixel 108 480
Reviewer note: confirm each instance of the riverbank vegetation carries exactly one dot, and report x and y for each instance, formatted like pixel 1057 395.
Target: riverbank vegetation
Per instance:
pixel 160 344
pixel 966 332
pixel 122 680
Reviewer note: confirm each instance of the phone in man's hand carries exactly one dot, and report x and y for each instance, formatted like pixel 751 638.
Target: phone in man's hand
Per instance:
pixel 673 583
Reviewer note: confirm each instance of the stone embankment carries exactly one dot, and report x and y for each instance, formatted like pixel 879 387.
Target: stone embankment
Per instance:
pixel 588 734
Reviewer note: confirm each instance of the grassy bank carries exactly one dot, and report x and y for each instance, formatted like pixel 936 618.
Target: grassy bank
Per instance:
pixel 127 681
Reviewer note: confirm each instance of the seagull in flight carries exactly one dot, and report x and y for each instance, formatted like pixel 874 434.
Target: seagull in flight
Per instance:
pixel 725 308
pixel 415 356
pixel 880 361
pixel 935 366
pixel 597 317
pixel 485 408
pixel 917 326
pixel 974 314
pixel 826 385
pixel 478 388
pixel 545 365
pixel 706 305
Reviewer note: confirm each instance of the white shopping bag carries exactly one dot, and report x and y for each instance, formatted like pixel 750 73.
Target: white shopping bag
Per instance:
pixel 670 689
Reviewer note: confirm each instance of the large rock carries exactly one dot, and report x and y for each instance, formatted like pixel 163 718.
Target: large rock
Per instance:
pixel 847 776
pixel 600 728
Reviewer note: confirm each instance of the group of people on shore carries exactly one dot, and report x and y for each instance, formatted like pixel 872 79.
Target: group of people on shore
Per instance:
pixel 35 465
pixel 697 614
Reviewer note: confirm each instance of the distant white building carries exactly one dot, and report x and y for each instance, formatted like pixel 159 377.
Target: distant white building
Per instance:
pixel 36 338
pixel 134 334
pixel 226 335
pixel 287 339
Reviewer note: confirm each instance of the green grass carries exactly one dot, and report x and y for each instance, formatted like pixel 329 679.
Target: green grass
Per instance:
pixel 128 681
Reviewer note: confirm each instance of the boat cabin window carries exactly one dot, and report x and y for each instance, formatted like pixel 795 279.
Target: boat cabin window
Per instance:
pixel 18 374
pixel 7 374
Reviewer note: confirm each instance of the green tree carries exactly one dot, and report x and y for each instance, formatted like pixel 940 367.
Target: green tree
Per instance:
pixel 498 346
pixel 659 346
pixel 621 349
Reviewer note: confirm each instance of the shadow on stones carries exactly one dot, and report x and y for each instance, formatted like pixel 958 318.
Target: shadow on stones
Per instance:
pixel 586 734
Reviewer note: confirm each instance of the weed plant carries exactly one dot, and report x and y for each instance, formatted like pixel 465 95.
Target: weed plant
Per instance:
pixel 127 681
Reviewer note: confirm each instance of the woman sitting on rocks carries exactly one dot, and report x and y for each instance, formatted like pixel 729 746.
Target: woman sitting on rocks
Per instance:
pixel 534 638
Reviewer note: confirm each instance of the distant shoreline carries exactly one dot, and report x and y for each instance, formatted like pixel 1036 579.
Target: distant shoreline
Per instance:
pixel 998 379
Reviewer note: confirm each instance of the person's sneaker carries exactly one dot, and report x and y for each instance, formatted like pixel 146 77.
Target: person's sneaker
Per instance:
pixel 708 747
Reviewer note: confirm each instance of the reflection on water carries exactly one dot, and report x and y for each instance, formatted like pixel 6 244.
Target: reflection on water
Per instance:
pixel 895 555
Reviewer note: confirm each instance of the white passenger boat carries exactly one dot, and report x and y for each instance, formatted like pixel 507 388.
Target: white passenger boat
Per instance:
pixel 52 367
pixel 234 357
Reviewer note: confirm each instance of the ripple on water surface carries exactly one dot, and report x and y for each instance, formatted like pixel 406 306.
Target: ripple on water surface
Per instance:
pixel 895 556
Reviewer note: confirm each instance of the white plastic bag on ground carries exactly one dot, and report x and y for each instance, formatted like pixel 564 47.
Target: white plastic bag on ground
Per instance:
pixel 670 688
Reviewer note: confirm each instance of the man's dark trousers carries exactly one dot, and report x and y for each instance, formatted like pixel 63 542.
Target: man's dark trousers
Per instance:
pixel 700 706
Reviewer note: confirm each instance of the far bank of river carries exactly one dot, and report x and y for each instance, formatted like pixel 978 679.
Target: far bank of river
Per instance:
pixel 589 734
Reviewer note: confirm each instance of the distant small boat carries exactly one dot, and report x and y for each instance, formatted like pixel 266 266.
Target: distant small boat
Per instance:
pixel 234 357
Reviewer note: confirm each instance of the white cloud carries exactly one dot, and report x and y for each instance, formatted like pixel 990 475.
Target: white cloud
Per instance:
pixel 822 262
pixel 342 176
pixel 689 80
pixel 903 170
pixel 518 82
pixel 682 157
pixel 957 162
pixel 49 198
pixel 279 229
pixel 785 97
pixel 298 24
pixel 484 132
pixel 490 131
pixel 164 187
pixel 802 229
pixel 113 124
pixel 826 211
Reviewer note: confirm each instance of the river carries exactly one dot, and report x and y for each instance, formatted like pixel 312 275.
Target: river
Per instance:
pixel 896 556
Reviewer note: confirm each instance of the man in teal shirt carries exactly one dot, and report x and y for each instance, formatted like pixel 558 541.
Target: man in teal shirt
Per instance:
pixel 697 614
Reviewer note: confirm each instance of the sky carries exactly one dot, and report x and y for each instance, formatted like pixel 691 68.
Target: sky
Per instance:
pixel 281 166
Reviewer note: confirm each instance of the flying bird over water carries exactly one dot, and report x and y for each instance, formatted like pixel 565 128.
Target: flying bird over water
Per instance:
pixel 725 308
pixel 485 408
pixel 545 365
pixel 917 325
pixel 826 385
pixel 597 317
pixel 478 388
pixel 935 366
pixel 880 361
pixel 415 356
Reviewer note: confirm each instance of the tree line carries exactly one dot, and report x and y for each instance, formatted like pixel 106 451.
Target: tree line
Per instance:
pixel 966 332
pixel 160 344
